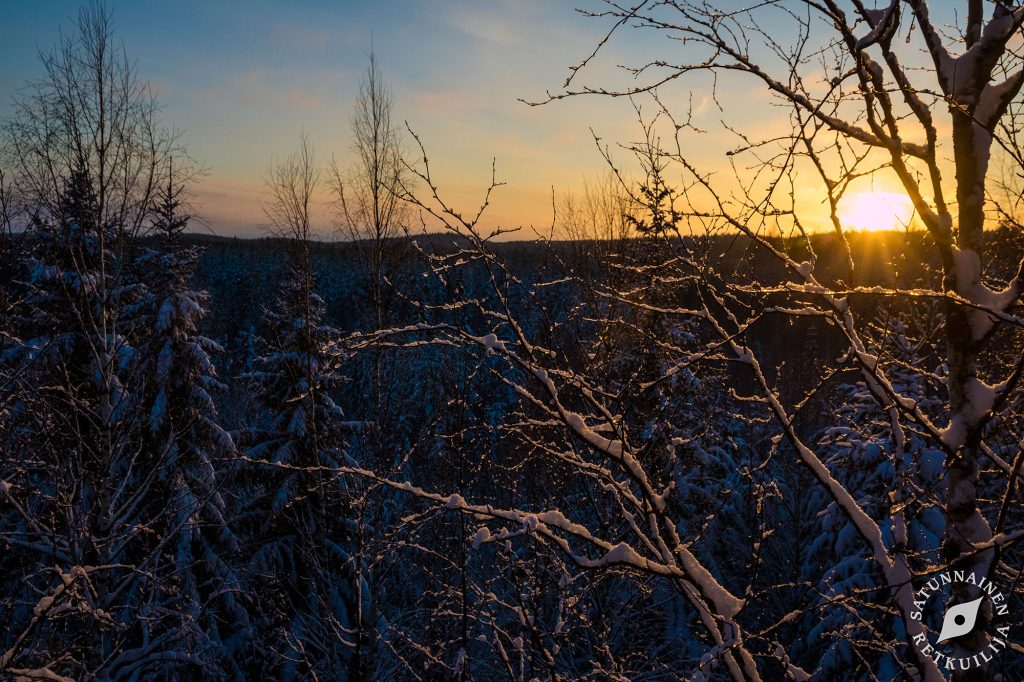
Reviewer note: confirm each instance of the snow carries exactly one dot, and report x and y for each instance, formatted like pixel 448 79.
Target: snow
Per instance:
pixel 579 426
pixel 994 95
pixel 483 534
pixel 877 15
pixel 619 554
pixel 492 343
pixel 25 675
pixel 42 606
pixel 956 73
pixel 870 361
pixel 967 269
pixel 978 400
pixel 880 19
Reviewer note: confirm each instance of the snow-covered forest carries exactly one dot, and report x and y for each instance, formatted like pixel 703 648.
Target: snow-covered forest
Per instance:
pixel 679 434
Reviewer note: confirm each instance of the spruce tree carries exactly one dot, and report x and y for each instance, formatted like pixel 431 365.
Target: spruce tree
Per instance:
pixel 298 521
pixel 189 537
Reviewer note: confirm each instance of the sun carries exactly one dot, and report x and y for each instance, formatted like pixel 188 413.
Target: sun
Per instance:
pixel 875 211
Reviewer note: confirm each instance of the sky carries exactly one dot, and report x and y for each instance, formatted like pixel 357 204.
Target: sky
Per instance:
pixel 243 79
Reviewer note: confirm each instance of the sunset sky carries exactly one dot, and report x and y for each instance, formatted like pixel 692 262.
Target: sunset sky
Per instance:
pixel 243 79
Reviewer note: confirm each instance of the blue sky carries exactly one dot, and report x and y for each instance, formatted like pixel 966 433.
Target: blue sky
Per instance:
pixel 243 79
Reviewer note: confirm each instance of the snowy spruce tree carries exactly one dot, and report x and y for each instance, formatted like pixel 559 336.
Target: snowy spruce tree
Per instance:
pixel 301 570
pixel 76 358
pixel 72 450
pixel 198 609
pixel 83 149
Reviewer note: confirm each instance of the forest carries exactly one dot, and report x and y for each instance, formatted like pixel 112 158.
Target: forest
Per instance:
pixel 678 434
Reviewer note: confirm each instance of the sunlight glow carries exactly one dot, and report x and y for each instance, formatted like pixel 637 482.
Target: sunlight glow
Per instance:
pixel 874 211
